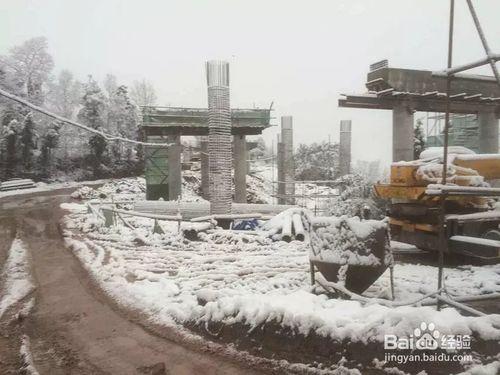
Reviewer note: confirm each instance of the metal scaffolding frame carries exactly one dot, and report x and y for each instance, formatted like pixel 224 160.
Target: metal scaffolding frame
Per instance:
pixel 450 72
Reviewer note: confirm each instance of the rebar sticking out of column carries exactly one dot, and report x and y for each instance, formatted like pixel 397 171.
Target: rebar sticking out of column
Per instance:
pixel 219 137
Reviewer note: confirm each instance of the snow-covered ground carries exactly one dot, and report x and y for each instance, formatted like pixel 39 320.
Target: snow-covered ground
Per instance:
pixel 250 279
pixel 16 277
pixel 253 280
pixel 42 188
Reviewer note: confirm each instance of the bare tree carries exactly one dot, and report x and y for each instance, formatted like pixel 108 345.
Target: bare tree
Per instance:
pixel 143 93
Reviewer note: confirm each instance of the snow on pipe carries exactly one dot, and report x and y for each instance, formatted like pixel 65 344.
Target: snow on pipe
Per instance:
pixel 191 210
pixel 286 231
pixel 298 227
pixel 219 137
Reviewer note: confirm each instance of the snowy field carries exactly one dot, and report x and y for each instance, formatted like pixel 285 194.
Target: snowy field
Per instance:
pixel 226 278
pixel 249 279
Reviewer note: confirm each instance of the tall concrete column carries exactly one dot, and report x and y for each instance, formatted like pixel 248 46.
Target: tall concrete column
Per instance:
pixel 174 167
pixel 240 168
pixel 345 147
pixel 402 133
pixel 488 132
pixel 205 184
pixel 279 164
pixel 288 162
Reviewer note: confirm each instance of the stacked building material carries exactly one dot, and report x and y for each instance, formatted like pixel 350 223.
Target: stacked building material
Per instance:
pixel 16 184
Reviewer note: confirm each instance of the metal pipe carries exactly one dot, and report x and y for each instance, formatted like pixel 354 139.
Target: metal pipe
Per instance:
pixel 458 305
pixel 286 231
pixel 442 221
pixel 142 214
pixel 298 227
pixel 483 40
pixel 481 297
pixel 227 216
pixel 474 64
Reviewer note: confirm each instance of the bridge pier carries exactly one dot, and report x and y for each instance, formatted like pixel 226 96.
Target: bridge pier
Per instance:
pixel 240 168
pixel 287 164
pixel 204 166
pixel 402 133
pixel 488 132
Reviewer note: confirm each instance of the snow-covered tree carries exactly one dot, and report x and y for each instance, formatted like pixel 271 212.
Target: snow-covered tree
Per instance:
pixel 418 139
pixel 122 120
pixel 318 161
pixel 110 84
pixel 65 94
pixel 92 114
pixel 9 146
pixel 28 142
pixel 370 170
pixel 28 67
pixel 356 198
pixel 49 141
pixel 143 93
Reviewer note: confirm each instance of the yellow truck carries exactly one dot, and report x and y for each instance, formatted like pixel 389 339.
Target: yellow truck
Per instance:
pixel 472 213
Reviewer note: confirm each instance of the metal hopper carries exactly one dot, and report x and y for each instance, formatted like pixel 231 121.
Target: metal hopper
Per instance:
pixel 344 256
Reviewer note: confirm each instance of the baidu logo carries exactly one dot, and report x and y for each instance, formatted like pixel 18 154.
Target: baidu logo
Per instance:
pixel 425 337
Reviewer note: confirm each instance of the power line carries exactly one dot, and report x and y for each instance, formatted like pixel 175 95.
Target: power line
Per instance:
pixel 108 137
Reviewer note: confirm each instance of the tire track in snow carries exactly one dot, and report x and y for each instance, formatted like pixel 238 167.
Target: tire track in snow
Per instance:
pixel 16 276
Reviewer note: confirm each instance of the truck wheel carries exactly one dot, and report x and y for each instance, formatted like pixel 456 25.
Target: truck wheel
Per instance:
pixel 492 234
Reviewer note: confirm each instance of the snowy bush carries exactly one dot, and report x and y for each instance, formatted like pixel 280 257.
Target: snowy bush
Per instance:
pixel 318 161
pixel 356 199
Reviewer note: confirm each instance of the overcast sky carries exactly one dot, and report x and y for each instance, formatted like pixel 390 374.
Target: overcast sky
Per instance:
pixel 298 54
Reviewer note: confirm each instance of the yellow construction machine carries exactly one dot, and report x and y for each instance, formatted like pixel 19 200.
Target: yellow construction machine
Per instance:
pixel 472 210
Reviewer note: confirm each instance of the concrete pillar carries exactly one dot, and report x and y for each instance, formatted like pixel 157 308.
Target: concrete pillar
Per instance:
pixel 174 168
pixel 288 162
pixel 240 168
pixel 205 184
pixel 345 147
pixel 488 132
pixel 279 164
pixel 402 133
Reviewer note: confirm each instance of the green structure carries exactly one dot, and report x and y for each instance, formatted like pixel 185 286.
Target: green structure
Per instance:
pixel 464 131
pixel 156 171
pixel 169 124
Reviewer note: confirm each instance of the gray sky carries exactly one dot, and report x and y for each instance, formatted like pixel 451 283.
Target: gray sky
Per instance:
pixel 299 54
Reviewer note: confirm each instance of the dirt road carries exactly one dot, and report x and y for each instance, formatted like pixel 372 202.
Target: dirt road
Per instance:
pixel 72 328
